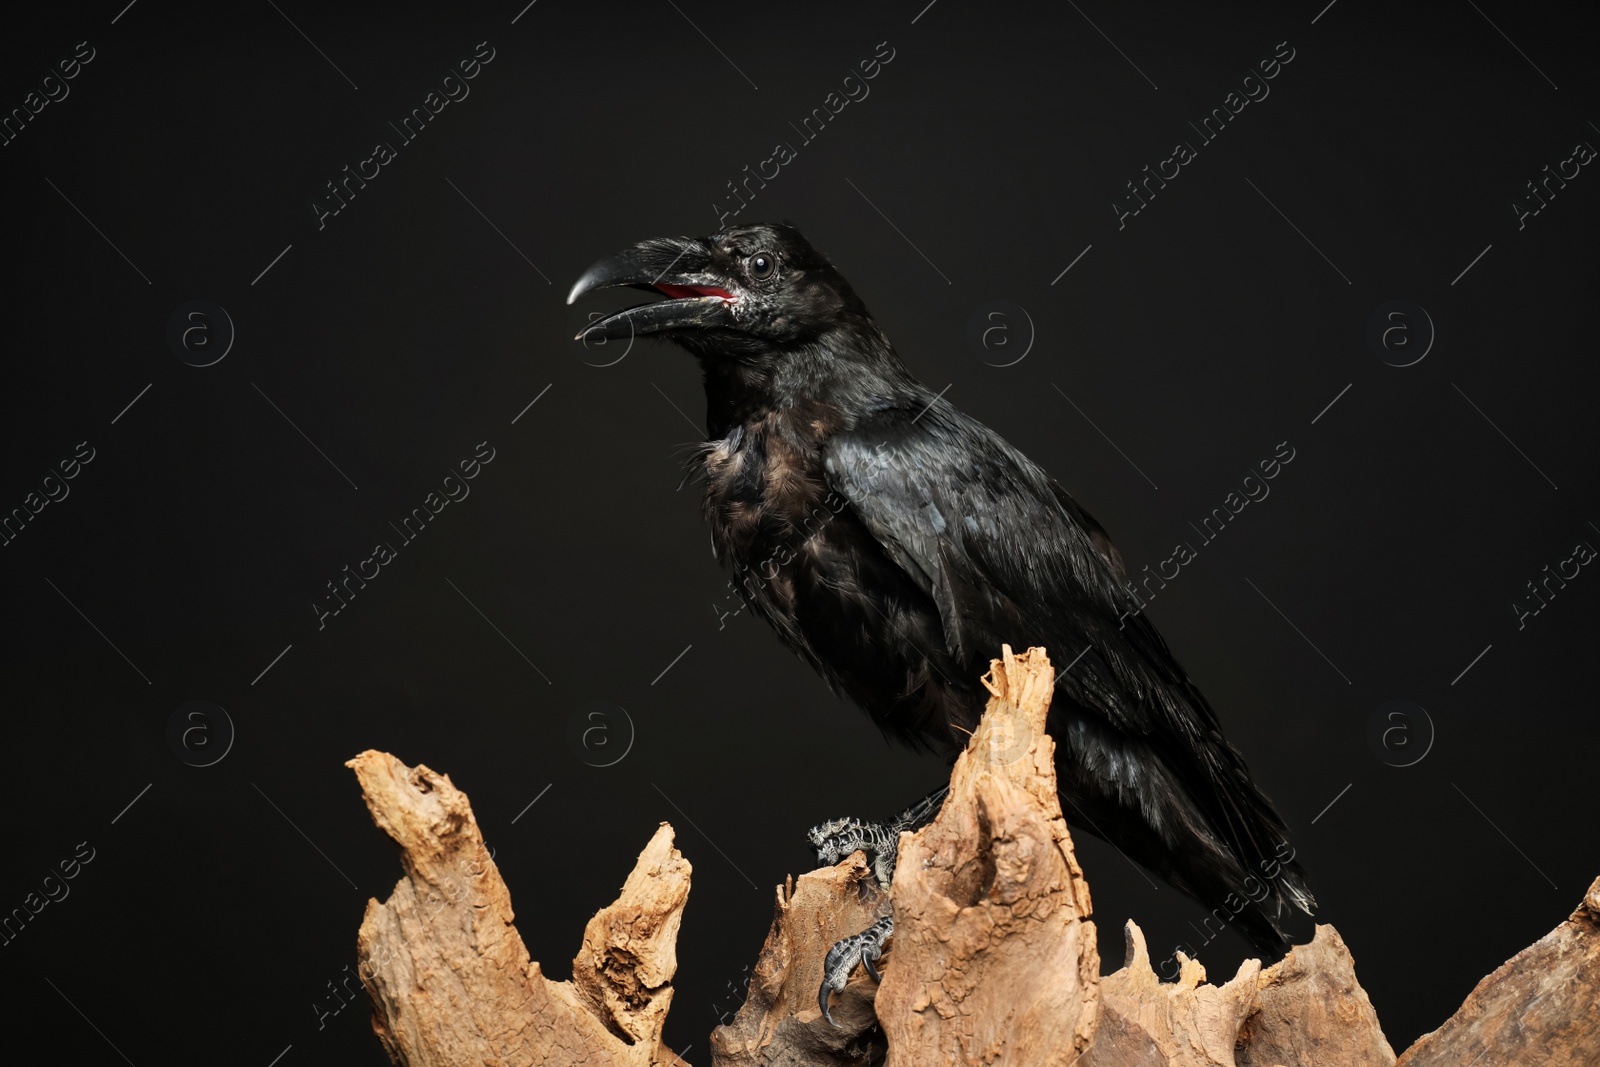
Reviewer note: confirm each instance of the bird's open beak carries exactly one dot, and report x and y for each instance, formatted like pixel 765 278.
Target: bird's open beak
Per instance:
pixel 679 268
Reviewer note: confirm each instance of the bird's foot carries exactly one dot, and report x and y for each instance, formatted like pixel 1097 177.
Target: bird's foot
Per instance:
pixel 837 838
pixel 864 948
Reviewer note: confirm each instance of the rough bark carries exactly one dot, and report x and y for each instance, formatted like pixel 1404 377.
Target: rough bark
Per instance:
pixel 1542 1006
pixel 449 977
pixel 994 959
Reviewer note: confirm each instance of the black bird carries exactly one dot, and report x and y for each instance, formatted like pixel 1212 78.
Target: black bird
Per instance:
pixel 895 543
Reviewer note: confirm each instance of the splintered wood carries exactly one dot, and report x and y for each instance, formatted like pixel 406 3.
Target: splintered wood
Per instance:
pixel 450 980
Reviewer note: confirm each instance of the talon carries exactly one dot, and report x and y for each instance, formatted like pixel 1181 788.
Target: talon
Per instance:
pixel 835 974
pixel 864 948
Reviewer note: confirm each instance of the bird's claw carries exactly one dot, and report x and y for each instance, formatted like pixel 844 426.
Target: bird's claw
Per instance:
pixel 838 838
pixel 865 948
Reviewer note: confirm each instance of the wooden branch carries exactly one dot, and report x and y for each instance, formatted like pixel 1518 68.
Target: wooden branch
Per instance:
pixel 994 959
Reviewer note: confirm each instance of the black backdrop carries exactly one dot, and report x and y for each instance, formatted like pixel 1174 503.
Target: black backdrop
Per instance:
pixel 374 349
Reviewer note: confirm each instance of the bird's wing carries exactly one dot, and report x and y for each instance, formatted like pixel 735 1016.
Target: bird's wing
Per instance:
pixel 1008 556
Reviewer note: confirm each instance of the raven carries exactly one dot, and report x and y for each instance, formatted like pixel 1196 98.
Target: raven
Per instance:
pixel 895 543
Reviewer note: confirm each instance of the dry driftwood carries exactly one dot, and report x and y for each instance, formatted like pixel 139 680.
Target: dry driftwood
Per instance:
pixel 1542 1006
pixel 994 959
pixel 450 980
pixel 1144 1021
pixel 780 1023
pixel 1305 1009
pixel 1310 1009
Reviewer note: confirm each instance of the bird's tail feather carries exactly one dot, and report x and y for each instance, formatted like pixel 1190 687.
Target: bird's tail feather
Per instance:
pixel 1222 844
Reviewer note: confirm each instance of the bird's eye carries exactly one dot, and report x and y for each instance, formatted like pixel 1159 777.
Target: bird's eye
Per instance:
pixel 762 264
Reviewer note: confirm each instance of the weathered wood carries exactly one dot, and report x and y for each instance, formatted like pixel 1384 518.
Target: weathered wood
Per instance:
pixel 449 977
pixel 1310 1009
pixel 780 1023
pixel 994 958
pixel 1305 1009
pixel 1145 1022
pixel 1542 1006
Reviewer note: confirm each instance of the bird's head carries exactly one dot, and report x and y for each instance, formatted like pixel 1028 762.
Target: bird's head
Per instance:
pixel 740 293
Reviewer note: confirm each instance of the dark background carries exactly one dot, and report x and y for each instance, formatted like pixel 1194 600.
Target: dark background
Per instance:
pixel 221 904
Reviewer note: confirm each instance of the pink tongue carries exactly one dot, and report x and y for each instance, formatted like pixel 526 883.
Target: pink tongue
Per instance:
pixel 680 291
